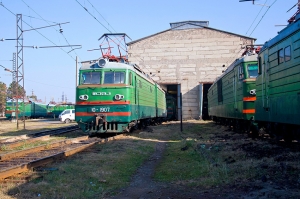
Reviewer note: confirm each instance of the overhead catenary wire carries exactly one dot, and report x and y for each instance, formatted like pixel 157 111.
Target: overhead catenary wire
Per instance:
pixel 92 15
pixel 262 17
pixel 256 17
pixel 38 18
pixel 37 31
pixel 254 27
pixel 54 29
pixel 49 84
pixel 101 16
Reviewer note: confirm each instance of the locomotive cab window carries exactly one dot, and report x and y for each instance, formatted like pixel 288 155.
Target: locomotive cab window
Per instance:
pixel 90 77
pixel 252 70
pixel 287 53
pixel 113 77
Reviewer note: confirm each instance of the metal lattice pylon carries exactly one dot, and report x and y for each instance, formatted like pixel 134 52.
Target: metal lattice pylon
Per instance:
pixel 20 66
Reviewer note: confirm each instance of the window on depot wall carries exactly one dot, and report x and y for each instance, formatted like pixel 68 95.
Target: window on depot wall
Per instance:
pixel 90 77
pixel 287 53
pixel 280 56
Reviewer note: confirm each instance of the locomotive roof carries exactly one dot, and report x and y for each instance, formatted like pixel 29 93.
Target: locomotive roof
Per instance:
pixel 93 64
pixel 290 29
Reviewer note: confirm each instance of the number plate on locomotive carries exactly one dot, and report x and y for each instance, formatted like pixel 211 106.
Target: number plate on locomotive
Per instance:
pixel 101 93
pixel 99 110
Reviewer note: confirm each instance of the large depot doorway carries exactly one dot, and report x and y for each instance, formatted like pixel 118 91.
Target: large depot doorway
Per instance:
pixel 173 101
pixel 203 101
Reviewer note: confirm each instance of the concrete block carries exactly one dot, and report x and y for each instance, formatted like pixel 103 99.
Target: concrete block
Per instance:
pixel 187 69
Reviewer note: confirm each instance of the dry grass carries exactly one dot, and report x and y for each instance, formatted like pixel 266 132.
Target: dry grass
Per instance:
pixel 203 156
pixel 9 129
pixel 91 174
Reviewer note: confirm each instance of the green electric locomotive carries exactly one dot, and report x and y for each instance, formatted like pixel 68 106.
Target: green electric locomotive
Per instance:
pixel 26 110
pixel 232 96
pixel 114 96
pixel 278 83
pixel 270 101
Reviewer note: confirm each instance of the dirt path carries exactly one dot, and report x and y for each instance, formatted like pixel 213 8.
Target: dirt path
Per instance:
pixel 143 186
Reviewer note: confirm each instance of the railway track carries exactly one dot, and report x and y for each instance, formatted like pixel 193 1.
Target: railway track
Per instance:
pixel 17 141
pixel 24 160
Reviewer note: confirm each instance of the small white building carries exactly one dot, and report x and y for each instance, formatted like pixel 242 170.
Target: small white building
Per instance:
pixel 186 59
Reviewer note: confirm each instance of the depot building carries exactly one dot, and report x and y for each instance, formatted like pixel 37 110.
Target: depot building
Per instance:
pixel 186 59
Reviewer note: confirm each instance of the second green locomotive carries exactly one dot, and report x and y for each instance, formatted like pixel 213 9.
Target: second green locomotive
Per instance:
pixel 232 96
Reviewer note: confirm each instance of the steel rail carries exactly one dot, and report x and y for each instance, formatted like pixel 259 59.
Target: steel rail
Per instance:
pixel 24 163
pixel 18 143
pixel 25 139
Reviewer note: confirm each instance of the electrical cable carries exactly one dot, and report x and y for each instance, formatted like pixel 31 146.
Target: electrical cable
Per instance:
pixel 37 31
pixel 48 84
pixel 262 17
pixel 93 16
pixel 39 19
pixel 256 24
pixel 101 16
pixel 256 17
pixel 53 28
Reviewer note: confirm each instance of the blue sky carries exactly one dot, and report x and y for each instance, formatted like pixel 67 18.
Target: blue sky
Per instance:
pixel 50 72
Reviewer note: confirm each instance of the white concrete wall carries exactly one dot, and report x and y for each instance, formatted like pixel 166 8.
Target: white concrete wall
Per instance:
pixel 187 57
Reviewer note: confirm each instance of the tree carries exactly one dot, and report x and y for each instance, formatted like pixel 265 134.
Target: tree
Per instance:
pixel 12 93
pixel 2 97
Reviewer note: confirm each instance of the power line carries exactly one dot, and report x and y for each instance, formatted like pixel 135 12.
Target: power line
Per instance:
pixel 49 84
pixel 38 18
pixel 256 17
pixel 262 17
pixel 37 31
pixel 254 27
pixel 101 16
pixel 54 29
pixel 93 16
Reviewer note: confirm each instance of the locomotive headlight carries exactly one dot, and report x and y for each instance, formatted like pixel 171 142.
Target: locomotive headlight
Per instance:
pixel 119 97
pixel 101 62
pixel 84 97
pixel 253 92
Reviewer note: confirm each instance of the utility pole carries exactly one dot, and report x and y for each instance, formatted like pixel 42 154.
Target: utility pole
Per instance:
pixel 20 68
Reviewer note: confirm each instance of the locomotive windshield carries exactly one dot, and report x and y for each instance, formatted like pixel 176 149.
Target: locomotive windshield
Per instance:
pixel 252 70
pixel 90 77
pixel 114 77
